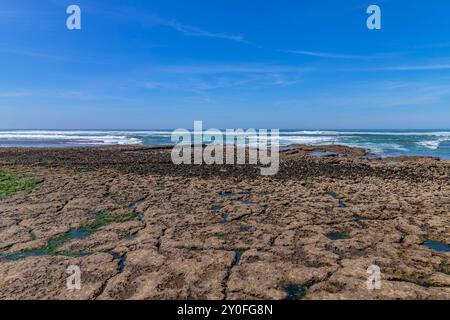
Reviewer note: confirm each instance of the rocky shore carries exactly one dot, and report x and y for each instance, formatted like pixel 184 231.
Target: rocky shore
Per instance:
pixel 140 227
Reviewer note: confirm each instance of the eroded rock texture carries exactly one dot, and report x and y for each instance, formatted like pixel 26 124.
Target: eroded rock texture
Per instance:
pixel 142 228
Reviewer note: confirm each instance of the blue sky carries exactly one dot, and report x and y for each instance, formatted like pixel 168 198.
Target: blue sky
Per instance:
pixel 231 63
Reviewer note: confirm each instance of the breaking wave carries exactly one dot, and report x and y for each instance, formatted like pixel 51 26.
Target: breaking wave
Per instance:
pixel 381 142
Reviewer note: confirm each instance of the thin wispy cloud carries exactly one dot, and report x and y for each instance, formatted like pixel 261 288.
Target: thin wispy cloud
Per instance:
pixel 230 68
pixel 60 57
pixel 78 95
pixel 209 83
pixel 433 45
pixel 198 32
pixel 151 19
pixel 58 93
pixel 30 53
pixel 14 94
pixel 205 78
pixel 376 94
pixel 430 67
pixel 337 55
pixel 399 68
pixel 330 55
pixel 370 100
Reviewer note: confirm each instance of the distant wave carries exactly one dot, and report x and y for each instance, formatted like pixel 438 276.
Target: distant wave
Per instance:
pixel 308 139
pixel 378 133
pixel 432 144
pixel 82 133
pixel 383 143
pixel 169 132
pixel 67 137
pixel 378 148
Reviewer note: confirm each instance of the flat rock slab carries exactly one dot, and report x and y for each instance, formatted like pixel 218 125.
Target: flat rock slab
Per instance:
pixel 141 228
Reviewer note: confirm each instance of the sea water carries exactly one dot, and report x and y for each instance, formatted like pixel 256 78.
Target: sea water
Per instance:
pixel 379 142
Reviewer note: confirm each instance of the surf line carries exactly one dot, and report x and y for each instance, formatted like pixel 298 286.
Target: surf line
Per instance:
pixel 208 147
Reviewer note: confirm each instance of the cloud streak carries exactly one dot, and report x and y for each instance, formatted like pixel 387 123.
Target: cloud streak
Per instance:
pixel 58 93
pixel 198 32
pixel 399 68
pixel 204 84
pixel 151 19
pixel 14 94
pixel 430 67
pixel 230 68
pixel 327 54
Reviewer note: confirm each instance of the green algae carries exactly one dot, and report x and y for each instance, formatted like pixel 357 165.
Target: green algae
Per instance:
pixel 11 184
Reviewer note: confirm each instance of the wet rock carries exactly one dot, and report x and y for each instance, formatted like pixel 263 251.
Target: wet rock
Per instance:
pixel 286 236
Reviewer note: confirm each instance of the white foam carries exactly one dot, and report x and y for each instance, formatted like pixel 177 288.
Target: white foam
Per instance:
pixel 84 133
pixel 432 144
pixel 378 133
pixel 430 140
pixel 313 140
pixel 66 137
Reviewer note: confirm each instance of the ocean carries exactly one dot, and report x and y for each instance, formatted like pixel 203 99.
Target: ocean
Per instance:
pixel 380 142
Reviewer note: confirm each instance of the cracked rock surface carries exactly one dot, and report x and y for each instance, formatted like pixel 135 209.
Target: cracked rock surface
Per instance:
pixel 140 227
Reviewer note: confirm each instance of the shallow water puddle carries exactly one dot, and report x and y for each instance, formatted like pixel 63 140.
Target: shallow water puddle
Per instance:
pixel 25 254
pixel 51 247
pixel 438 246
pixel 121 261
pixel 337 236
pixel 237 257
pixel 360 222
pixel 40 253
pixel 228 194
pixel 78 234
pixel 332 194
pixel 224 217
pixel 295 291
pixel 233 195
pixel 247 229
pixel 216 208
pixel 136 204
pixel 246 202
pixel 324 154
